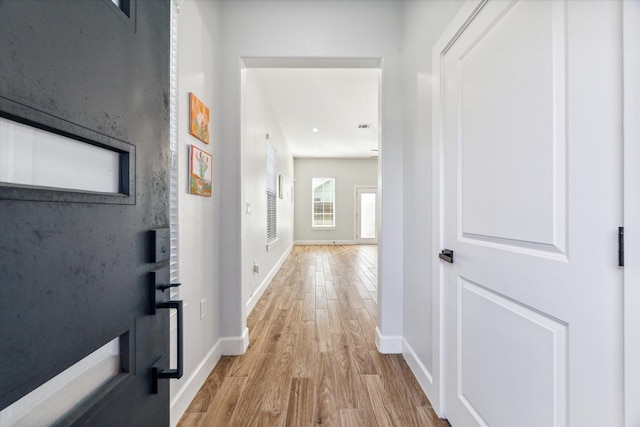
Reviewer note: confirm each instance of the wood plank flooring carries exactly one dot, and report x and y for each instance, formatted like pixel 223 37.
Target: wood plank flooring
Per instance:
pixel 312 358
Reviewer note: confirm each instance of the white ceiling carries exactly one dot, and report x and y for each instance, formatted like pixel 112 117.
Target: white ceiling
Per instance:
pixel 335 101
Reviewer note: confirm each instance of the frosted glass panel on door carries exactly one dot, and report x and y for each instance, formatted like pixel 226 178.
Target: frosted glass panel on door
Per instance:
pixel 34 157
pixel 368 215
pixel 54 399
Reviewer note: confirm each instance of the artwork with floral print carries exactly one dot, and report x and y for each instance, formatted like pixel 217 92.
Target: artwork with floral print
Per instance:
pixel 198 119
pixel 200 172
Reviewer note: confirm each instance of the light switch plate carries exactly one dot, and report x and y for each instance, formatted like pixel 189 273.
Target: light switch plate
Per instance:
pixel 203 308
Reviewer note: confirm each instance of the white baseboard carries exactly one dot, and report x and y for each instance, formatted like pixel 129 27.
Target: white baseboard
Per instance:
pixel 235 346
pixel 422 374
pixel 227 346
pixel 189 387
pixel 267 281
pixel 388 344
pixel 324 242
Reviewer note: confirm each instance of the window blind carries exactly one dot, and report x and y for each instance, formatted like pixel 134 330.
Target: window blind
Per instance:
pixel 271 193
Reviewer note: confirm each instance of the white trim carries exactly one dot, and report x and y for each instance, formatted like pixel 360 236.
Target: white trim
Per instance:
pixel 191 385
pixel 230 346
pixel 388 344
pixel 311 62
pixel 631 136
pixel 257 293
pixel 324 242
pixel 422 374
pixel 449 35
pixel 235 346
pixel 273 244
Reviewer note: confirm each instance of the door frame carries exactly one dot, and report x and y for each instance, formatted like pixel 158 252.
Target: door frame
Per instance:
pixel 631 195
pixel 366 189
pixel 298 62
pixel 631 205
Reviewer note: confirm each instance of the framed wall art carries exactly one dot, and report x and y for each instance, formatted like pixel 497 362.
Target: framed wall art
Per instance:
pixel 200 172
pixel 198 119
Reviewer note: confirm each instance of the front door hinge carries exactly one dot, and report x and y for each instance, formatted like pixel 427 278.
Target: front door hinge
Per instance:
pixel 621 246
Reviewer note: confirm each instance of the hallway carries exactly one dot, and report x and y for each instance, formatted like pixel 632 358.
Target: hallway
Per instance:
pixel 312 358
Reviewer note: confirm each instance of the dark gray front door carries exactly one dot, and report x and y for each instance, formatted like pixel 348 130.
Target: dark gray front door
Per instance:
pixel 75 266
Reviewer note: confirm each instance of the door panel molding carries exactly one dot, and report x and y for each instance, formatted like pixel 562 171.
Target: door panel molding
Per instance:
pixel 532 213
pixel 523 387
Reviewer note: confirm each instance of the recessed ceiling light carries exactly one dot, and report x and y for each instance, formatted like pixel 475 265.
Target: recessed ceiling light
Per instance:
pixel 315 130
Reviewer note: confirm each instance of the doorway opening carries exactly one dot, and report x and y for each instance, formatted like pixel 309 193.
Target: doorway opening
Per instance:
pixel 366 215
pixel 322 116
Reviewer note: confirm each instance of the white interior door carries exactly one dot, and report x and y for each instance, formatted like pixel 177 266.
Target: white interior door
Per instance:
pixel 366 215
pixel 532 198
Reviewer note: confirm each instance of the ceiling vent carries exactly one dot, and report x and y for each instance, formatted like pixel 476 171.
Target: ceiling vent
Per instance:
pixel 364 126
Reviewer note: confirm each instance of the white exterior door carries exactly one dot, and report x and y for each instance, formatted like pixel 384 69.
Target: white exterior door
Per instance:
pixel 532 199
pixel 366 215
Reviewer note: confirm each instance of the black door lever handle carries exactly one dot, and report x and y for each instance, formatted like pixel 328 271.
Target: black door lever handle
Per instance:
pixel 446 255
pixel 156 372
pixel 168 285
pixel 175 373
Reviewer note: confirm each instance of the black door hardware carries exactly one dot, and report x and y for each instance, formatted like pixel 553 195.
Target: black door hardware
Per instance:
pixel 156 372
pixel 446 255
pixel 160 299
pixel 620 246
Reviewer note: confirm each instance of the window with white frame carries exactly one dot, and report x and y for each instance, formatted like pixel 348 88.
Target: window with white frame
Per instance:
pixel 271 193
pixel 324 197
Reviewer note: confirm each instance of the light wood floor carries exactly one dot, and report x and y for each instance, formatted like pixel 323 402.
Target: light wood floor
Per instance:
pixel 312 358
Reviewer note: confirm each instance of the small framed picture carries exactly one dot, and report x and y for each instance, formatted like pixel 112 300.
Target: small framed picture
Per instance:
pixel 200 172
pixel 198 119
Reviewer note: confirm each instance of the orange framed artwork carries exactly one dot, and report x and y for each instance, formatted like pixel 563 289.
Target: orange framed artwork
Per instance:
pixel 198 119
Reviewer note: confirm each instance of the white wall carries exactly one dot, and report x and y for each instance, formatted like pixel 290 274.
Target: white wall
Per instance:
pixel 199 217
pixel 423 23
pixel 348 174
pixel 260 121
pixel 215 267
pixel 313 29
pixel 303 29
pixel 401 35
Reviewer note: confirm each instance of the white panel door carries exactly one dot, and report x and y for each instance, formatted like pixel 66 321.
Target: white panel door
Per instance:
pixel 531 187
